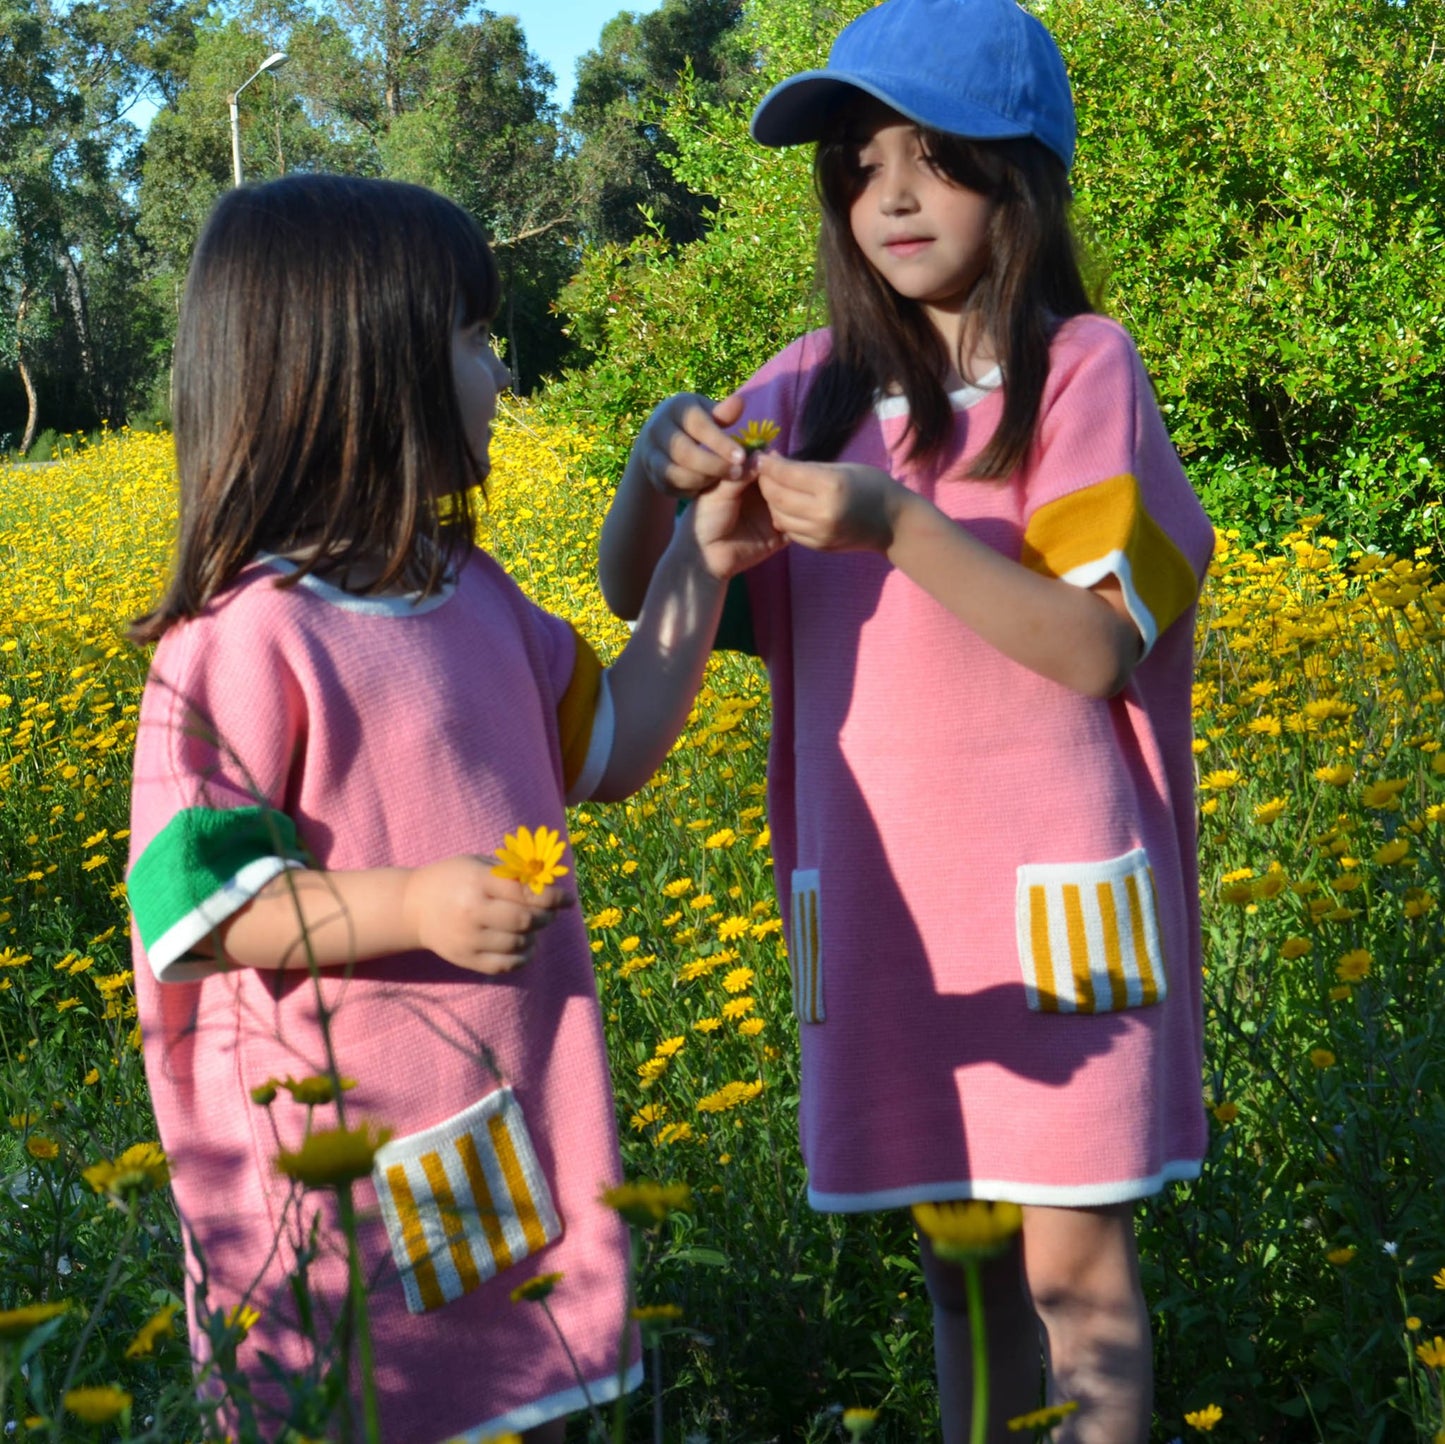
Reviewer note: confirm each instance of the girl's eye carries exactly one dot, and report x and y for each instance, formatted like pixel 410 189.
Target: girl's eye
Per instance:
pixel 860 164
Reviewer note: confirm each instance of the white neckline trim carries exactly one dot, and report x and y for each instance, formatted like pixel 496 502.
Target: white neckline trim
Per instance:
pixel 409 604
pixel 888 407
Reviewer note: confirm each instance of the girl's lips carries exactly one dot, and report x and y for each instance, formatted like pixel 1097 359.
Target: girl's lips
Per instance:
pixel 906 245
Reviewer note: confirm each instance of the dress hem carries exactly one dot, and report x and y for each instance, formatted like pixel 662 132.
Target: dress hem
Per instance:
pixel 554 1406
pixel 1087 1195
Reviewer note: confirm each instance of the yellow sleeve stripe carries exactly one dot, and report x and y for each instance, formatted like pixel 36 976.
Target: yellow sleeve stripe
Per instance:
pixel 1103 530
pixel 577 710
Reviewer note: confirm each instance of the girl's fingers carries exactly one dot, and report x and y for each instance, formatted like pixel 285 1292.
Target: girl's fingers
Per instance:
pixel 729 411
pixel 700 423
pixel 713 455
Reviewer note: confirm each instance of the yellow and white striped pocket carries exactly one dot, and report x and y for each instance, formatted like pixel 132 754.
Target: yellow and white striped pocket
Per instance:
pixel 1088 935
pixel 463 1200
pixel 805 948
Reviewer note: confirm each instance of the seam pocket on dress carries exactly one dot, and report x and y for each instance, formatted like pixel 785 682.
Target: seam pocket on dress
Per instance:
pixel 805 948
pixel 1088 935
pixel 463 1200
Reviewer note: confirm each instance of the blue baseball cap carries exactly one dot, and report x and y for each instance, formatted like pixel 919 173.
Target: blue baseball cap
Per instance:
pixel 982 69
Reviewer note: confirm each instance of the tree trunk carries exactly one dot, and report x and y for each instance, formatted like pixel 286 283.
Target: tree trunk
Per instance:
pixel 514 356
pixel 80 309
pixel 32 420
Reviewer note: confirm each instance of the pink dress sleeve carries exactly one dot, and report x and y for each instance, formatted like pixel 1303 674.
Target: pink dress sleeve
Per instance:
pixel 577 687
pixel 1106 495
pixel 221 726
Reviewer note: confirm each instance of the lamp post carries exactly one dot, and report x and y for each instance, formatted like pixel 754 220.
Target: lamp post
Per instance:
pixel 272 62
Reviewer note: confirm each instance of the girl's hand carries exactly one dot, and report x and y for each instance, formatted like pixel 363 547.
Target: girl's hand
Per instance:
pixel 733 528
pixel 459 910
pixel 683 449
pixel 828 506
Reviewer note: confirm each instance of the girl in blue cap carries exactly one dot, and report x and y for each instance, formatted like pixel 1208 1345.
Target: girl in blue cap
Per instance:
pixel 979 642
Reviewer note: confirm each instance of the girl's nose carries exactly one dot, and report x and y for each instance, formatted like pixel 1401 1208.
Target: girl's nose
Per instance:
pixel 895 194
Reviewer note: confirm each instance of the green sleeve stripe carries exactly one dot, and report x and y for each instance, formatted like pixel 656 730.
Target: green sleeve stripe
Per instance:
pixel 204 865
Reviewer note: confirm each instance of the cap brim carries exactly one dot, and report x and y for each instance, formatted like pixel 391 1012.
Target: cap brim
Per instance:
pixel 799 109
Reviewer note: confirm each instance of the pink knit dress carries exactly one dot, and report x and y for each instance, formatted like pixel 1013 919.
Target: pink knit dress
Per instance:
pixel 307 726
pixel 990 880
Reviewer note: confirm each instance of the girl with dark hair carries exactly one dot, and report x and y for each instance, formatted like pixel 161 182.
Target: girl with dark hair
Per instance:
pixel 980 647
pixel 350 708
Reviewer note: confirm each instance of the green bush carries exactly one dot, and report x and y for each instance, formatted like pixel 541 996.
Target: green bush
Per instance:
pixel 1262 191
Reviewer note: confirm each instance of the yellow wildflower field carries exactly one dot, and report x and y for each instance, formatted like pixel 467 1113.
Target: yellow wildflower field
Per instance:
pixel 1282 1280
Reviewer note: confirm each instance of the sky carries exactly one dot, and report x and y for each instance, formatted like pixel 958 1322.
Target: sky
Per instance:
pixel 560 32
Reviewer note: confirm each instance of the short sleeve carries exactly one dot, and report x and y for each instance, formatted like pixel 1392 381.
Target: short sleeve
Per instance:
pixel 585 718
pixel 219 728
pixel 1106 495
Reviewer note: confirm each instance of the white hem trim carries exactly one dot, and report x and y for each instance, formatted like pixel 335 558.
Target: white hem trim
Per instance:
pixel 1116 564
pixel 1088 1195
pixel 166 953
pixel 886 408
pixel 599 745
pixel 554 1406
pixel 407 604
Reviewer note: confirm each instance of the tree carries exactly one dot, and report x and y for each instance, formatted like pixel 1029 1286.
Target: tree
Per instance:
pixel 36 112
pixel 187 154
pixel 484 132
pixel 625 151
pixel 422 90
pixel 69 255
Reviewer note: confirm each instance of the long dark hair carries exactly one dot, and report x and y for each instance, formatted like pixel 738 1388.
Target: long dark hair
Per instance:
pixel 315 410
pixel 882 340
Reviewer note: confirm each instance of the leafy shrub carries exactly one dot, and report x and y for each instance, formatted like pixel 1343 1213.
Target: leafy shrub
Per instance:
pixel 1262 190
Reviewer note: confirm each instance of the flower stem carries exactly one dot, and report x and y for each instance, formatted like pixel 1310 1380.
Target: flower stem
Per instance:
pixel 132 1221
pixel 978 1430
pixel 576 1368
pixel 361 1320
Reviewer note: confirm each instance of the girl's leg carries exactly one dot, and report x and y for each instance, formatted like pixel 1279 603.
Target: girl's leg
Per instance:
pixel 1082 1269
pixel 554 1431
pixel 1012 1330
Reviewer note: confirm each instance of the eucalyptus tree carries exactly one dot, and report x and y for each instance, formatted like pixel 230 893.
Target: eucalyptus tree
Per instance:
pixel 77 326
pixel 625 151
pixel 433 91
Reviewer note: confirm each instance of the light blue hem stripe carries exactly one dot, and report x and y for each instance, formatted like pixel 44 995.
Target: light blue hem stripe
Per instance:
pixel 554 1406
pixel 1093 1195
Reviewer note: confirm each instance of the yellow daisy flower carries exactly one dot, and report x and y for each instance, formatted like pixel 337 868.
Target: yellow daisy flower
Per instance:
pixel 530 857
pixel 972 1228
pixel 333 1156
pixel 758 435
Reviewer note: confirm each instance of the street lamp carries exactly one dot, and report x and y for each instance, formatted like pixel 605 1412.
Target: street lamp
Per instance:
pixel 272 62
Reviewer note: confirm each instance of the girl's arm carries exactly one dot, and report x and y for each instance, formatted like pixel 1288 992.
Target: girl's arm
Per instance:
pixel 1080 637
pixel 455 908
pixel 681 450
pixel 654 681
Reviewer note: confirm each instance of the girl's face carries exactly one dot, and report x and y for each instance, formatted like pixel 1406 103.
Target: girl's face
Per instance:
pixel 924 234
pixel 478 375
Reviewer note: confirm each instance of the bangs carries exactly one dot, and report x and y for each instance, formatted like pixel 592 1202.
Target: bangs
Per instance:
pixel 977 166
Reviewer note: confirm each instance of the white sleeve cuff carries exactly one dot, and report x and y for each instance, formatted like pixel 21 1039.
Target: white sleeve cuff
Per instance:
pixel 599 747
